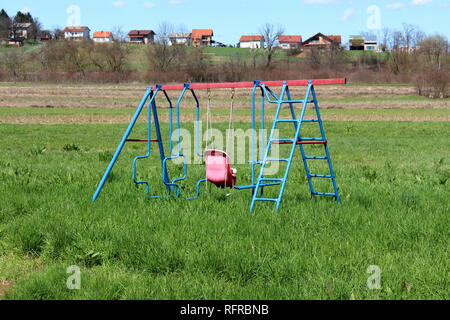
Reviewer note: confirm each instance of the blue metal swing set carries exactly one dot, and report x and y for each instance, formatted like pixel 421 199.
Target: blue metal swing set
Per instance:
pixel 258 181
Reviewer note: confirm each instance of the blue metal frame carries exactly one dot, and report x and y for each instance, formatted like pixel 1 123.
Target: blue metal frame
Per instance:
pixel 148 93
pixel 297 139
pixel 257 184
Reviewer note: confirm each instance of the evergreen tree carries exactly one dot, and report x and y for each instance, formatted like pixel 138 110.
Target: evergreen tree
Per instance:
pixel 23 17
pixel 3 14
pixel 32 32
pixel 5 24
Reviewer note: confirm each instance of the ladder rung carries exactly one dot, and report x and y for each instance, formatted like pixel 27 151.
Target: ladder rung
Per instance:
pixel 142 140
pixel 312 142
pixel 316 158
pixel 266 199
pixel 286 120
pixel 283 160
pixel 321 176
pixel 324 194
pixel 296 101
pixel 310 120
pixel 254 186
pixel 271 179
pixel 300 142
pixel 269 184
pixel 282 141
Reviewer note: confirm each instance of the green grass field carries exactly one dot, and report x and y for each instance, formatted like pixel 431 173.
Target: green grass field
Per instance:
pixel 394 179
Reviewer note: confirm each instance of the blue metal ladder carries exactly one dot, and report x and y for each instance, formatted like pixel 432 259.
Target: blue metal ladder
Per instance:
pixel 296 140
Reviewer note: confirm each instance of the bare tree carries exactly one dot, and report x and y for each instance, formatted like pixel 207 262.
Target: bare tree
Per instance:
pixel 182 28
pixel 196 65
pixel 108 56
pixel 118 34
pixel 412 35
pixel 255 54
pixel 369 35
pixel 314 58
pixel 435 49
pixel 163 33
pixel 270 34
pixel 162 55
pixel 234 68
pixel 418 36
pixel 36 28
pixel 397 40
pixel 408 34
pixel 12 60
pixel 56 33
pixel 76 56
pixel 384 37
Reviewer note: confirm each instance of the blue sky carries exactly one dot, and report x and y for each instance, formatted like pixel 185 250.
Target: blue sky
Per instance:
pixel 232 18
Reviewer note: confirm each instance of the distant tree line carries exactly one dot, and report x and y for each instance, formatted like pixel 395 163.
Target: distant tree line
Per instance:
pixel 409 56
pixel 9 25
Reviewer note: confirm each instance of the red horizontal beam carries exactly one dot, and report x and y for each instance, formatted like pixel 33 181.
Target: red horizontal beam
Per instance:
pixel 230 85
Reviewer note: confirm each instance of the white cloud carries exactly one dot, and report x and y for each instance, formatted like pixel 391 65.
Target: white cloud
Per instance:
pixel 25 10
pixel 395 5
pixel 347 14
pixel 421 2
pixel 149 5
pixel 119 3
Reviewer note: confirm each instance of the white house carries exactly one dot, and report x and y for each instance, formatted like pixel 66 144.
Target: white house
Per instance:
pixel 103 36
pixel 77 33
pixel 290 42
pixel 253 42
pixel 183 38
pixel 371 45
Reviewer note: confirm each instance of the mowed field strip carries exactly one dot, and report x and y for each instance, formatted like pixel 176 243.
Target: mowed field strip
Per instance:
pixel 90 104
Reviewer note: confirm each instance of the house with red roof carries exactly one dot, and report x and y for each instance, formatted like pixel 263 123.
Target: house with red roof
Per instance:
pixel 322 41
pixel 251 41
pixel 103 36
pixel 290 42
pixel 77 33
pixel 141 36
pixel 202 37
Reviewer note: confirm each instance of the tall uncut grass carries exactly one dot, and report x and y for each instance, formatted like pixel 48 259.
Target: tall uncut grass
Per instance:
pixel 394 180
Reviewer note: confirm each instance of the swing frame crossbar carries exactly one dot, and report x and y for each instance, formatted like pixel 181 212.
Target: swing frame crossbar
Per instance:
pixel 149 99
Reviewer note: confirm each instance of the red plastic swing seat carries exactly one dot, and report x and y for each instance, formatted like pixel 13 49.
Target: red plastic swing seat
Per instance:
pixel 218 170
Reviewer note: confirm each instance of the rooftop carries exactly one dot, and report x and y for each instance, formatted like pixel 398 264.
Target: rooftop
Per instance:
pixel 200 33
pixel 102 34
pixel 179 35
pixel 75 29
pixel 285 39
pixel 251 38
pixel 140 33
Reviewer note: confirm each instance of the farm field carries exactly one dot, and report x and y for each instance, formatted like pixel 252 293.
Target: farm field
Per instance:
pixel 390 150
